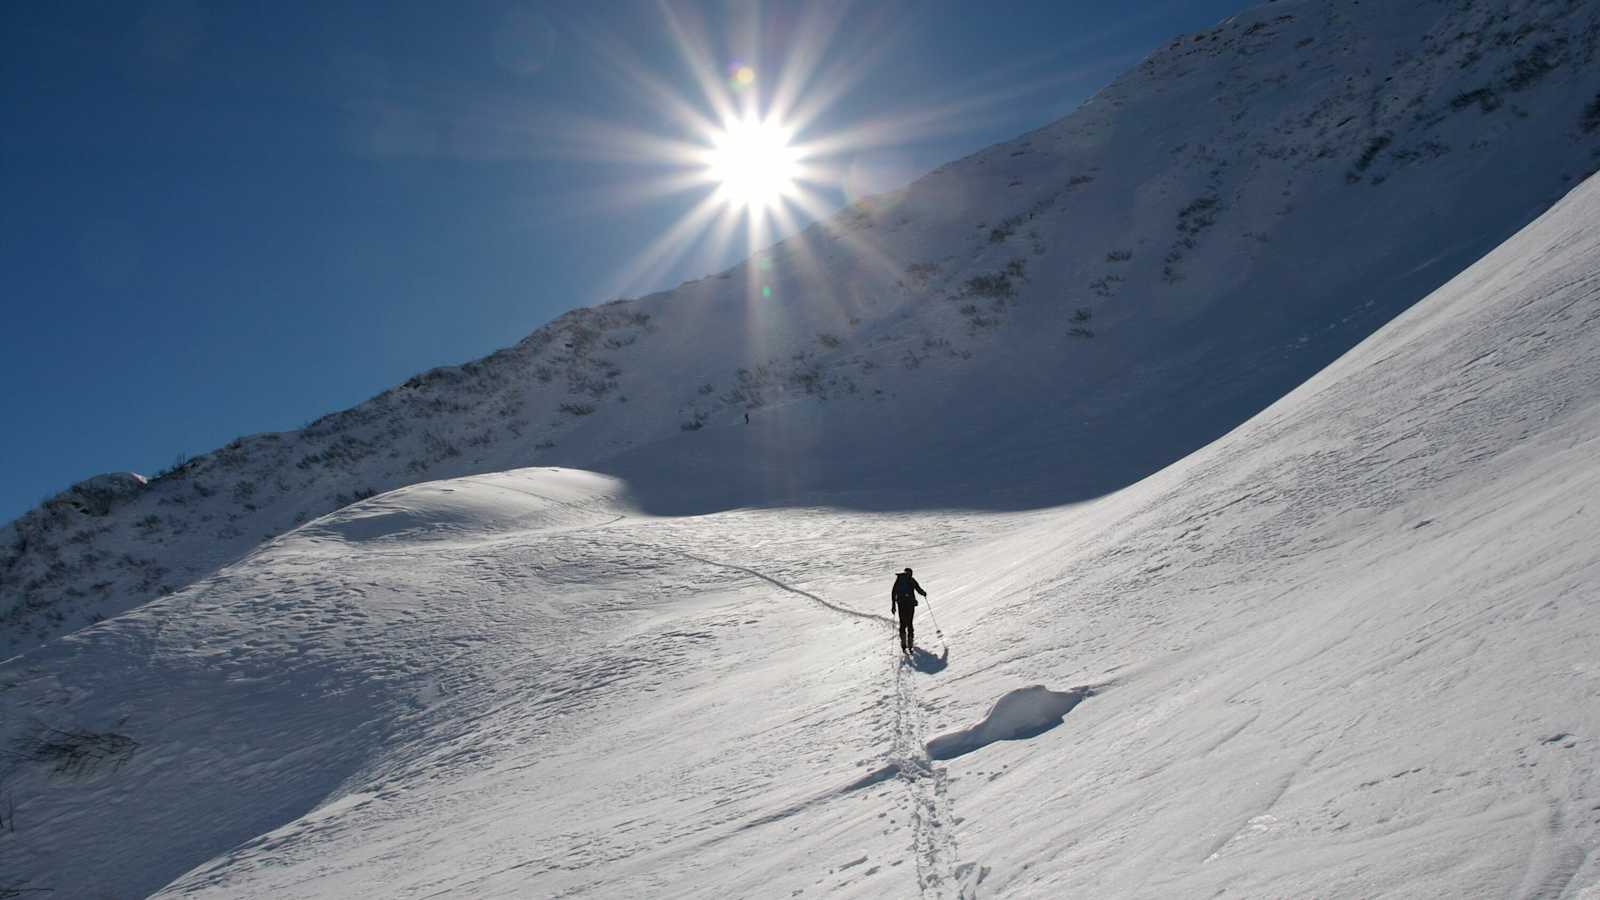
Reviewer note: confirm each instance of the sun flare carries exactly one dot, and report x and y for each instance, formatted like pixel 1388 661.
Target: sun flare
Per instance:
pixel 756 135
pixel 752 164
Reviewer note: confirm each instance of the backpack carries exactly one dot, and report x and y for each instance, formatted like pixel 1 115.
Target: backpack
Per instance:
pixel 903 591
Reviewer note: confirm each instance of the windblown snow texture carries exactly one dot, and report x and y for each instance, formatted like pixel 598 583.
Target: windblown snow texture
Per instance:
pixel 1346 649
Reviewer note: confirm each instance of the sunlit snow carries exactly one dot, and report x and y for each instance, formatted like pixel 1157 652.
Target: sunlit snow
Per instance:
pixel 1237 585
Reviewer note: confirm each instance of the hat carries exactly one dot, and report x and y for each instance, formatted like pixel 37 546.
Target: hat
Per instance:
pixel 908 570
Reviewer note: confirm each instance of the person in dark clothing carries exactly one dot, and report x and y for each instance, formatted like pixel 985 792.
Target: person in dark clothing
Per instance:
pixel 903 600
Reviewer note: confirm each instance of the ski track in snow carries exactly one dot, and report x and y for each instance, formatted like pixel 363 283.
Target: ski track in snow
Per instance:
pixel 927 793
pixel 843 610
pixel 927 798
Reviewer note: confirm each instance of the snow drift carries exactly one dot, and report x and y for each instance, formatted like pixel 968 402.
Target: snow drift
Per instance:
pixel 1019 714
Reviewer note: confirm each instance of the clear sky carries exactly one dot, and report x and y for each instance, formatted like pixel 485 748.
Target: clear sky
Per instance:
pixel 233 217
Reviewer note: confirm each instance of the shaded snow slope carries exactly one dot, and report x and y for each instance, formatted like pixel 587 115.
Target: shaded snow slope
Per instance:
pixel 1348 650
pixel 1047 321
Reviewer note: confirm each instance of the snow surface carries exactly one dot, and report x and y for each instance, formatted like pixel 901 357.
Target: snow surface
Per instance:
pixel 1347 650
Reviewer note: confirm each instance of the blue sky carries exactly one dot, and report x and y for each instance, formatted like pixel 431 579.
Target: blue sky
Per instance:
pixel 228 218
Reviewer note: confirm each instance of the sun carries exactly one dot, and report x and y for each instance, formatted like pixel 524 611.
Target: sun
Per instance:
pixel 752 164
pixel 754 134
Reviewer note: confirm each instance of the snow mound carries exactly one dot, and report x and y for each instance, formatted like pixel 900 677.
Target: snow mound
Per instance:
pixel 521 500
pixel 1018 715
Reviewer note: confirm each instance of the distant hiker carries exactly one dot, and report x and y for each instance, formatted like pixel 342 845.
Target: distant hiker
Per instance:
pixel 903 600
pixel 747 418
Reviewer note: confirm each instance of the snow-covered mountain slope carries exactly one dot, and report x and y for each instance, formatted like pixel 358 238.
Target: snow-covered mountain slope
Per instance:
pixel 1046 321
pixel 1348 650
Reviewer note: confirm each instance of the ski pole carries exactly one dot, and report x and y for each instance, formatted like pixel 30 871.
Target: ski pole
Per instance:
pixel 932 619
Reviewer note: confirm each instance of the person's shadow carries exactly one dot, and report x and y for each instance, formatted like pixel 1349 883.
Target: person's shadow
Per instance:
pixel 927 663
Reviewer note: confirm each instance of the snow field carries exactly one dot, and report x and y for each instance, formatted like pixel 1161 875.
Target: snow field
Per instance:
pixel 1348 650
